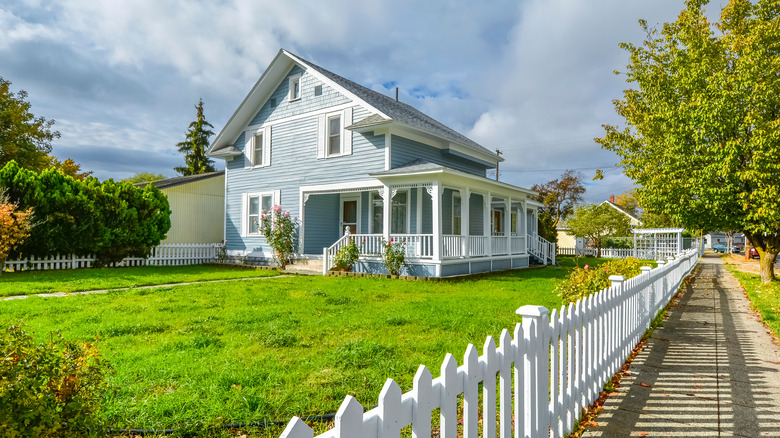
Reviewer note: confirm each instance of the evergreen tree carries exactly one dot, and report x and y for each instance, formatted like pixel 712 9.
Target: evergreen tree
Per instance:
pixel 195 145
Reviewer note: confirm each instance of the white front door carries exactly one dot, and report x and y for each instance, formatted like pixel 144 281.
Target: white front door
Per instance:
pixel 349 215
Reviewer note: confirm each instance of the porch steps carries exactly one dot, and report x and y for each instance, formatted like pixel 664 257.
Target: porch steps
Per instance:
pixel 310 267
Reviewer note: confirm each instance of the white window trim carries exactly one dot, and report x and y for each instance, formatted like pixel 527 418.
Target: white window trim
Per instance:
pixel 323 134
pixel 328 135
pixel 292 79
pixel 249 149
pixel 275 200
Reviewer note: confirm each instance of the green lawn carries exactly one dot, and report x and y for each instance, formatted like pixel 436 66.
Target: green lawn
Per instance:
pixel 210 354
pixel 73 280
pixel 765 297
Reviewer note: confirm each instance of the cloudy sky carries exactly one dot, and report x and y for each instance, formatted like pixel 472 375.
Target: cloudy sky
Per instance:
pixel 530 77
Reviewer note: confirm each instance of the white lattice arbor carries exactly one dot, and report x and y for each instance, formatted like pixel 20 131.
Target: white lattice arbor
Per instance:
pixel 657 243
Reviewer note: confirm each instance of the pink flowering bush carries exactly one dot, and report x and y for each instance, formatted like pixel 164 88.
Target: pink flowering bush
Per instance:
pixel 280 231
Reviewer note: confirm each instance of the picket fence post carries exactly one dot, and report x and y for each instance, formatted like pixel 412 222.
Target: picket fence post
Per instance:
pixel 537 373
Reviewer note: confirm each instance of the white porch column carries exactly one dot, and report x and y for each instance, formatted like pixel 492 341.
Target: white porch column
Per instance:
pixel 436 193
pixel 525 226
pixel 465 201
pixel 487 206
pixel 508 224
pixel 387 200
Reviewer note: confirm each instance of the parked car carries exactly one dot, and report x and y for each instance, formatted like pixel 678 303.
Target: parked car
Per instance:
pixel 735 250
pixel 753 253
pixel 719 248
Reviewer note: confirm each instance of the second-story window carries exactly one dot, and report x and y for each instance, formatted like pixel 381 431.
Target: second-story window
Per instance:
pixel 334 135
pixel 257 152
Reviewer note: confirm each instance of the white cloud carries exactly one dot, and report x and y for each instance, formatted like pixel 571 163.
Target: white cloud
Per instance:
pixel 15 29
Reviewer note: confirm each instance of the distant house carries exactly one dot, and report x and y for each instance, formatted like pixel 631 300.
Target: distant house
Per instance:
pixel 197 207
pixel 567 240
pixel 352 164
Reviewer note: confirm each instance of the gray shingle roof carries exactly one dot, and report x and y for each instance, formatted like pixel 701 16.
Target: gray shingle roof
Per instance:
pixel 400 111
pixel 179 180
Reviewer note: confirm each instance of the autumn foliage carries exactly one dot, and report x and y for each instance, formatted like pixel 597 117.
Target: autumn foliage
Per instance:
pixel 15 225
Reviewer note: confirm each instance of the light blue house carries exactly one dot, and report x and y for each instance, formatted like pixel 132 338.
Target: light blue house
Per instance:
pixel 347 159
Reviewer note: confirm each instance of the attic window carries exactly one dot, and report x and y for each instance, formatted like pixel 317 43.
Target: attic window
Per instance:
pixel 318 90
pixel 295 87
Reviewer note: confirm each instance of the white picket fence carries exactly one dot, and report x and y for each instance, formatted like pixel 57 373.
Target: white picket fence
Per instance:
pixel 610 253
pixel 163 255
pixel 559 362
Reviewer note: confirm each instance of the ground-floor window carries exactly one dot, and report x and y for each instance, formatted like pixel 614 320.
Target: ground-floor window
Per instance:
pixel 256 204
pixel 400 216
pixel 456 215
pixel 377 213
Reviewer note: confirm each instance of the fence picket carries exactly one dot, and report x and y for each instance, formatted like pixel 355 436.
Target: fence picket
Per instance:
pixel 471 379
pixel 505 359
pixel 449 398
pixel 422 393
pixel 489 370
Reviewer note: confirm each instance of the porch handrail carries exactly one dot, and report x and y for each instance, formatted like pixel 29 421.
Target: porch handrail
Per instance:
pixel 367 244
pixel 541 248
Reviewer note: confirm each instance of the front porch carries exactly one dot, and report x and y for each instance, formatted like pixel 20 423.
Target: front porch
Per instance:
pixel 450 222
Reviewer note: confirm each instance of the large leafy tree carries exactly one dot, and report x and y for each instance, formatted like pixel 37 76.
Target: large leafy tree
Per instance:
pixel 195 146
pixel 144 177
pixel 559 197
pixel 24 138
pixel 598 222
pixel 703 122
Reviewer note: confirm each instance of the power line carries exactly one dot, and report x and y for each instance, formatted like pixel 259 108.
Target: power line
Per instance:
pixel 564 169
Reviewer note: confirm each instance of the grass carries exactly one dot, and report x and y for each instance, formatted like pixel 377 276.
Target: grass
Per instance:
pixel 189 357
pixel 764 297
pixel 74 280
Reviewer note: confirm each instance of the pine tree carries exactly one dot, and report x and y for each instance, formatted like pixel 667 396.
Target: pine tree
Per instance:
pixel 195 145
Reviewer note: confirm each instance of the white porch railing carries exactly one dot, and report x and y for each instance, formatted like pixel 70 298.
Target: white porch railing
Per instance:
pixel 499 245
pixel 162 255
pixel 452 246
pixel 555 365
pixel 478 246
pixel 421 246
pixel 417 245
pixel 541 249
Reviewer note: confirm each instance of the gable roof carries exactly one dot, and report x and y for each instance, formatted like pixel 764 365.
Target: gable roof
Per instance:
pixel 620 209
pixel 383 108
pixel 179 180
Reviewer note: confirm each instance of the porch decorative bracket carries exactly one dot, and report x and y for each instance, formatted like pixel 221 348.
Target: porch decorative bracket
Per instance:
pixel 382 193
pixel 393 192
pixel 306 198
pixel 429 189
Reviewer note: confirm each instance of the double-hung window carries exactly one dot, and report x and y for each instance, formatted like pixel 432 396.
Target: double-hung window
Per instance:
pixel 256 205
pixel 258 147
pixel 257 151
pixel 333 139
pixel 334 135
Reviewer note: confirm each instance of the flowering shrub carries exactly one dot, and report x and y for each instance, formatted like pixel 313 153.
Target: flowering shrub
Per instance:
pixel 280 231
pixel 394 256
pixel 222 255
pixel 15 226
pixel 347 256
pixel 586 281
pixel 51 389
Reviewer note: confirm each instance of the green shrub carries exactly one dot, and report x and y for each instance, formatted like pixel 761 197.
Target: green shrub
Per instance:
pixel 586 281
pixel 53 389
pixel 394 256
pixel 347 256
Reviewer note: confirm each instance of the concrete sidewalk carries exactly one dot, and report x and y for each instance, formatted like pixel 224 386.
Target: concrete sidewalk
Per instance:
pixel 711 370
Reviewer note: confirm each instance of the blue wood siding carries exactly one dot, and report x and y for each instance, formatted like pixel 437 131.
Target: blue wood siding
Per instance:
pixel 404 151
pixel 427 213
pixel 321 226
pixel 294 163
pixel 475 215
pixel 308 101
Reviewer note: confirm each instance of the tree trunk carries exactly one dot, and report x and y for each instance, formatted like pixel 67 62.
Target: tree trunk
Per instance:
pixel 767 263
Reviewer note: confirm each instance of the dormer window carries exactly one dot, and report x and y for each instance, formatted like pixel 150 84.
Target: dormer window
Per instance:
pixel 295 87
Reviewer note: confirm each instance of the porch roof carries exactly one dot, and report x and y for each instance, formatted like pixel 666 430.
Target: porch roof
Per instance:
pixel 419 170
